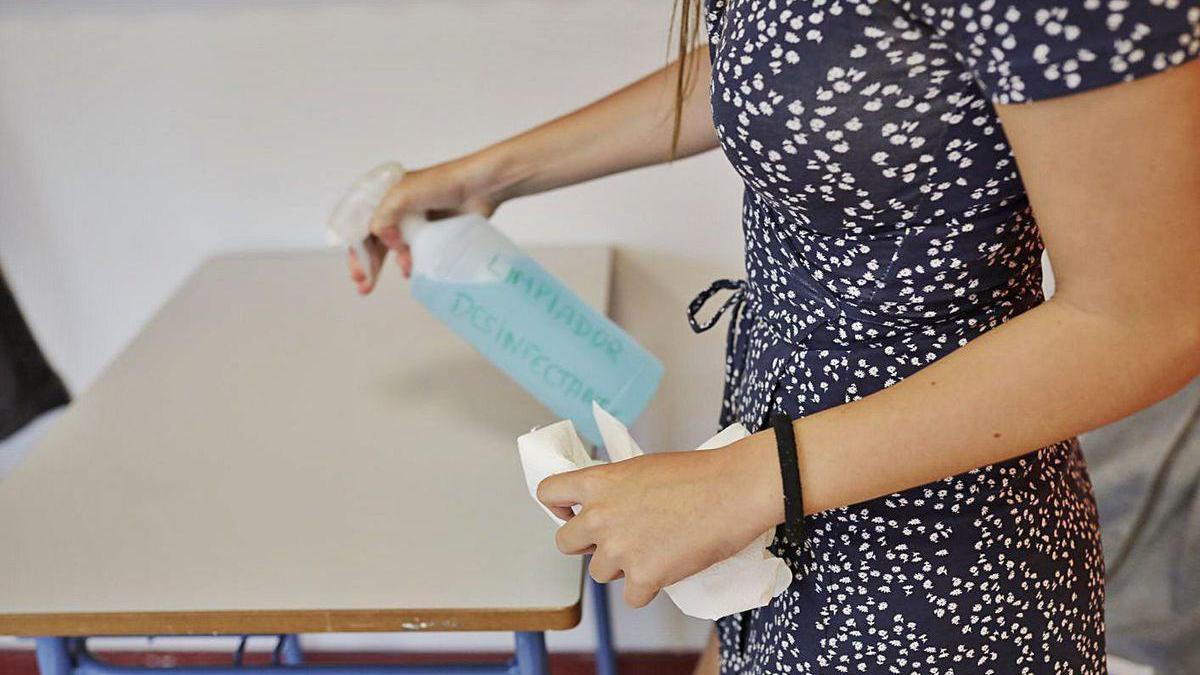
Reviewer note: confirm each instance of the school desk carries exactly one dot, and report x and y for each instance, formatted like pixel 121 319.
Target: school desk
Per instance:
pixel 274 454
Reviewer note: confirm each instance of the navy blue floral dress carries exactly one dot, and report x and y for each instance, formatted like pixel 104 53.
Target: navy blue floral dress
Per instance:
pixel 885 226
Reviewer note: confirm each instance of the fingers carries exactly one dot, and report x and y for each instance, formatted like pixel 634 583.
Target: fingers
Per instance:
pixel 604 569
pixel 564 489
pixel 404 260
pixel 562 512
pixel 576 537
pixel 639 594
pixel 385 227
pixel 365 277
pixel 357 274
pixel 377 251
pixel 385 223
pixel 582 533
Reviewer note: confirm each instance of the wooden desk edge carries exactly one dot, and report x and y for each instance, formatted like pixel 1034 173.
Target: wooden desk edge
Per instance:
pixel 232 622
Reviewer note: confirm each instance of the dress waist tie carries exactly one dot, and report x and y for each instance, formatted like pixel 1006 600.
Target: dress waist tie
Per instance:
pixel 735 359
pixel 735 350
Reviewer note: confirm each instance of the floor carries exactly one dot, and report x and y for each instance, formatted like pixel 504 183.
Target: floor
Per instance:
pixel 21 662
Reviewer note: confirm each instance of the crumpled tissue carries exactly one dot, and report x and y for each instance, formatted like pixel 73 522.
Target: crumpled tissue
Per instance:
pixel 747 580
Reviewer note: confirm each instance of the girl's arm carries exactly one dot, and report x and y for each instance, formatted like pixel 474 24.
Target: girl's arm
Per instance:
pixel 627 129
pixel 1114 179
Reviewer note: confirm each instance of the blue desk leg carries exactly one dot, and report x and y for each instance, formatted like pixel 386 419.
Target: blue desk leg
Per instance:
pixel 290 653
pixel 52 656
pixel 531 658
pixel 606 654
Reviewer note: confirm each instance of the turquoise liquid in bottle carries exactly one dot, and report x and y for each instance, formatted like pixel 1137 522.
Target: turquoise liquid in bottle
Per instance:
pixel 519 316
pixel 542 335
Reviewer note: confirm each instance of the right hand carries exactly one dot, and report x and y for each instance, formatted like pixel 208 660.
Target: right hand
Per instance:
pixel 439 191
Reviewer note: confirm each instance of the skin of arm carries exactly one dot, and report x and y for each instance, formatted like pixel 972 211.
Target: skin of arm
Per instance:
pixel 1113 176
pixel 628 129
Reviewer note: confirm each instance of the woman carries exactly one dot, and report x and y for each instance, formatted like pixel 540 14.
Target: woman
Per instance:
pixel 892 308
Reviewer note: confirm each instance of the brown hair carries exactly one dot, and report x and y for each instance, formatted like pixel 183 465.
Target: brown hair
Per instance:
pixel 690 18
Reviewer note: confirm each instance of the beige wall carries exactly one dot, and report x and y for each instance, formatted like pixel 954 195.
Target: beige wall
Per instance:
pixel 136 138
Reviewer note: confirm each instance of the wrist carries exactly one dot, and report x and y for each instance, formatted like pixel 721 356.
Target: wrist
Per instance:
pixel 755 464
pixel 497 172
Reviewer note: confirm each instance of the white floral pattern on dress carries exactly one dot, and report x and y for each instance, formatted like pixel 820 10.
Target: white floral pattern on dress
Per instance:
pixel 886 225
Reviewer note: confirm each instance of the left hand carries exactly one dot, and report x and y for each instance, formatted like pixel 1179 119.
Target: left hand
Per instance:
pixel 656 519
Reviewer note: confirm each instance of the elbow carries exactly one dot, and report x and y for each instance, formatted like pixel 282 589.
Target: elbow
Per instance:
pixel 1193 350
pixel 1179 339
pixel 1159 337
pixel 1163 346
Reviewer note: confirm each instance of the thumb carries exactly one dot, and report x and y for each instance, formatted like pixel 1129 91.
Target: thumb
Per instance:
pixel 562 491
pixel 385 222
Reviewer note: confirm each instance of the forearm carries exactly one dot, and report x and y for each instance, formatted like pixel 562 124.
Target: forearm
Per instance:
pixel 628 129
pixel 1049 374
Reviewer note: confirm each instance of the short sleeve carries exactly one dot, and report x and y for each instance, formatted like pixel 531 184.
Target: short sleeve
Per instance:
pixel 1036 49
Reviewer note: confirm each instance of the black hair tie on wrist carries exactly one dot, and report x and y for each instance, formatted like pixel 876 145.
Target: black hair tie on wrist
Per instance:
pixel 789 466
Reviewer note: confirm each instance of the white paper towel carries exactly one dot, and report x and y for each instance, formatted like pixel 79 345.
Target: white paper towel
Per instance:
pixel 747 580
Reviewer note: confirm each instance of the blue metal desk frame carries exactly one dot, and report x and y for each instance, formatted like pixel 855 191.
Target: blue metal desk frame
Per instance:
pixel 70 656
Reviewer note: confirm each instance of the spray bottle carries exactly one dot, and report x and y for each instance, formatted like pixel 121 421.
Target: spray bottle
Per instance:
pixel 519 316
